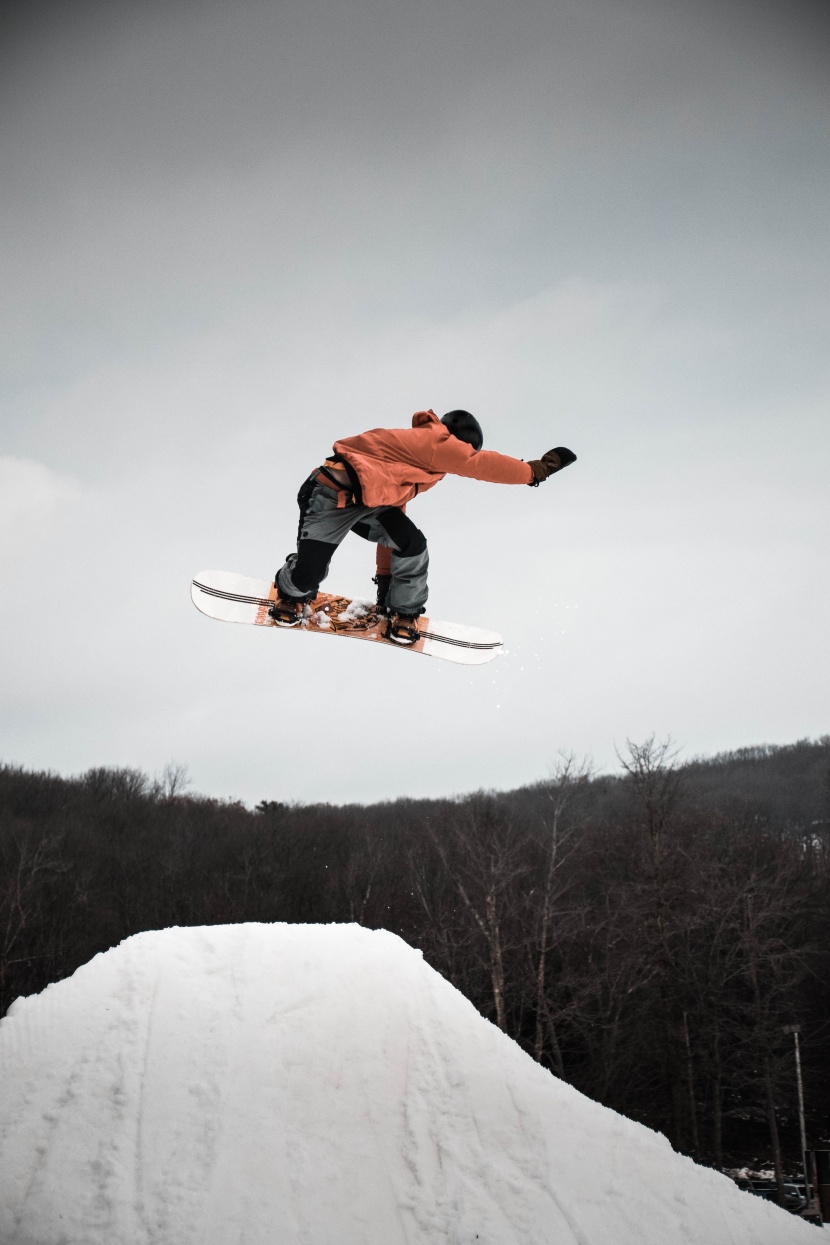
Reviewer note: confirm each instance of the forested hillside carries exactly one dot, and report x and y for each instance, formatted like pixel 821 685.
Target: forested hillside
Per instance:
pixel 647 936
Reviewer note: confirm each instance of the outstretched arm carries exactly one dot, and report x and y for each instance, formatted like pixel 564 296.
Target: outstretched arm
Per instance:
pixel 459 459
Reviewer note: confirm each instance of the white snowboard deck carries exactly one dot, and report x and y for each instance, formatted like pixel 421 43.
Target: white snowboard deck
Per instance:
pixel 229 597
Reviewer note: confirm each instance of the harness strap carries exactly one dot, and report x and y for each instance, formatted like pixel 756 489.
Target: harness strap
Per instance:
pixel 326 475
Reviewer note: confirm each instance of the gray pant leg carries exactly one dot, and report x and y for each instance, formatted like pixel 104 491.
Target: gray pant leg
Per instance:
pixel 322 528
pixel 408 589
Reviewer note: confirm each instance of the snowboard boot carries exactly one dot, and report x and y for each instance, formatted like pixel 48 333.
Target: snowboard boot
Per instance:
pixel 382 582
pixel 403 629
pixel 285 611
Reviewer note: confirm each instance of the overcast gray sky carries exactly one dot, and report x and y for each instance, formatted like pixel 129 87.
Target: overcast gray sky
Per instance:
pixel 234 232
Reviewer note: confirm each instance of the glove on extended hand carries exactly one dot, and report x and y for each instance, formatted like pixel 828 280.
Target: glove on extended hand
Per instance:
pixel 553 461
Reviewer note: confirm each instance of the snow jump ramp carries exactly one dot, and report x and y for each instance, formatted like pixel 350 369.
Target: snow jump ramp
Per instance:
pixel 318 1085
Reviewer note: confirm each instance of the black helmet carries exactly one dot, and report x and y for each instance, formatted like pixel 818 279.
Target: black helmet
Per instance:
pixel 464 426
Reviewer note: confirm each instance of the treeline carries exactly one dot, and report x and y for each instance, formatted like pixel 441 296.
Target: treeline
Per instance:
pixel 647 936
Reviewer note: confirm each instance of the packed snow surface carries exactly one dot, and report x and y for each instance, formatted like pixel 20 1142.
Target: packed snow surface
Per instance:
pixel 318 1085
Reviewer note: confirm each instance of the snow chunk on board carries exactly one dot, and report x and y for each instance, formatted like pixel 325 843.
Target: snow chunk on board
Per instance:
pixel 318 1085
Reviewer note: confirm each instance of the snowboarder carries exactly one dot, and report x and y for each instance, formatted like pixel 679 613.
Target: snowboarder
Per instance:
pixel 364 488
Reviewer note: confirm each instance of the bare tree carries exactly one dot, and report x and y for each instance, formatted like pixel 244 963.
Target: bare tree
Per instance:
pixel 557 838
pixel 27 858
pixel 485 858
pixel 657 785
pixel 772 960
pixel 173 783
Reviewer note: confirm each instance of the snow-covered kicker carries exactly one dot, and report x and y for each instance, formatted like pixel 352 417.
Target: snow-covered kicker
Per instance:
pixel 318 1085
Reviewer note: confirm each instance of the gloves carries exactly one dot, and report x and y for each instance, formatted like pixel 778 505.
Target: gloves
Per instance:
pixel 554 460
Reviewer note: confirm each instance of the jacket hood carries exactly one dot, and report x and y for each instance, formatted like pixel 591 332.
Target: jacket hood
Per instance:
pixel 420 418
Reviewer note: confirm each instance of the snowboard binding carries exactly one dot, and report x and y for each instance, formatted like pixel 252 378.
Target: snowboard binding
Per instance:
pixel 403 629
pixel 286 613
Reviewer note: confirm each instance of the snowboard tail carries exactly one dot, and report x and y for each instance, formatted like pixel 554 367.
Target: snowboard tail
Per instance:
pixel 241 599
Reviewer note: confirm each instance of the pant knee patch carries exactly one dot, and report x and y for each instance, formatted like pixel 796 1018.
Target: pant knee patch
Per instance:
pixel 313 557
pixel 408 539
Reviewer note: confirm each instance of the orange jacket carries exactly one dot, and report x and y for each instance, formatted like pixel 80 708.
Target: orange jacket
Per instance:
pixel 393 464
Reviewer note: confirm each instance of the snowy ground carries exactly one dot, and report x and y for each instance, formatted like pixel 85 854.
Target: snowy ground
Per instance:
pixel 318 1085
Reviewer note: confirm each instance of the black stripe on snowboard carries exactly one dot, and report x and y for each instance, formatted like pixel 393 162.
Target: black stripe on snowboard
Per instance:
pixel 231 596
pixel 487 646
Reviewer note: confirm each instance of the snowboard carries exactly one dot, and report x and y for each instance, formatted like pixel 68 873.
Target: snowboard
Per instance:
pixel 240 599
